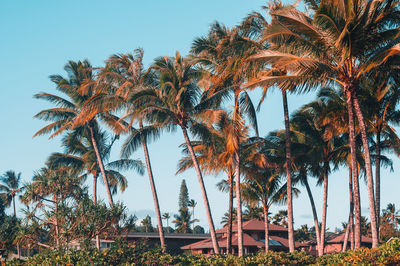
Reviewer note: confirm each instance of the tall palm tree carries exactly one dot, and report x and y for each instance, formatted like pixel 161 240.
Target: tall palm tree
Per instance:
pixel 319 139
pixel 192 204
pixel 10 187
pixel 222 54
pixel 256 26
pixel 215 155
pixel 176 103
pixel 340 44
pixel 123 76
pixel 78 87
pixel 380 98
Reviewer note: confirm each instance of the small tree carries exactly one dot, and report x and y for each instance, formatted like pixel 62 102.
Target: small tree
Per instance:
pixel 183 196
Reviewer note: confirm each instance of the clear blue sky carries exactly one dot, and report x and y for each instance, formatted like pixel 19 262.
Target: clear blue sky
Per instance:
pixel 39 37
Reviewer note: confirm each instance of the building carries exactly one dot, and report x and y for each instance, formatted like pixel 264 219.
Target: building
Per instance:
pixel 253 239
pixel 173 241
pixel 334 243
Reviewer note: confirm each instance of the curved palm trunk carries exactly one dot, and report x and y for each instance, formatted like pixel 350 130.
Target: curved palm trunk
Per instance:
pixel 266 228
pixel 368 167
pixel 203 191
pixel 324 209
pixel 95 201
pixel 314 211
pixel 239 205
pixel 356 190
pixel 288 172
pixel 378 181
pixel 230 212
pixel 153 189
pixel 101 165
pixel 346 235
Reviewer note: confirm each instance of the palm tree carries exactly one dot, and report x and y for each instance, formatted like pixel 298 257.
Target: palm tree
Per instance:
pixel 215 155
pixel 146 222
pixel 10 187
pixel 121 78
pixel 338 45
pixel 182 221
pixel 263 185
pixel 166 216
pixel 176 103
pixel 380 99
pixel 80 154
pixel 78 86
pixel 222 54
pixel 192 204
pixel 393 213
pixel 319 140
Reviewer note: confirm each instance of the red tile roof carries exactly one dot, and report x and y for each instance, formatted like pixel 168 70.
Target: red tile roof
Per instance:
pixel 340 238
pixel 254 225
pixel 247 241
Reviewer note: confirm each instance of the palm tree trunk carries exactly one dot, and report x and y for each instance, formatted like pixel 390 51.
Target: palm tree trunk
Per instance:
pixel 351 212
pixel 56 222
pixel 368 167
pixel 101 165
pixel 203 191
pixel 95 201
pixel 153 189
pixel 230 213
pixel 346 235
pixel 378 181
pixel 324 209
pixel 288 172
pixel 13 199
pixel 266 228
pixel 314 211
pixel 95 188
pixel 349 227
pixel 239 205
pixel 236 165
pixel 356 191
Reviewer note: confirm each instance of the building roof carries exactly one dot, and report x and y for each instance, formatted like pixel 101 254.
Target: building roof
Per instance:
pixel 254 225
pixel 167 235
pixel 339 238
pixel 248 241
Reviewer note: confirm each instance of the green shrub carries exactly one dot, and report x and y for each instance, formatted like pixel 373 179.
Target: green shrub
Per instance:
pixel 121 254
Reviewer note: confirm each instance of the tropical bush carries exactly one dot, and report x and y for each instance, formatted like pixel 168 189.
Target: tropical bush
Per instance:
pixel 140 254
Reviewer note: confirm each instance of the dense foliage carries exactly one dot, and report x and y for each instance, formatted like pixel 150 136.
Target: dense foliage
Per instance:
pixel 388 254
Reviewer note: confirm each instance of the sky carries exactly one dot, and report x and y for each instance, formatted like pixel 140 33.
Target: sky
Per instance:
pixel 39 37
